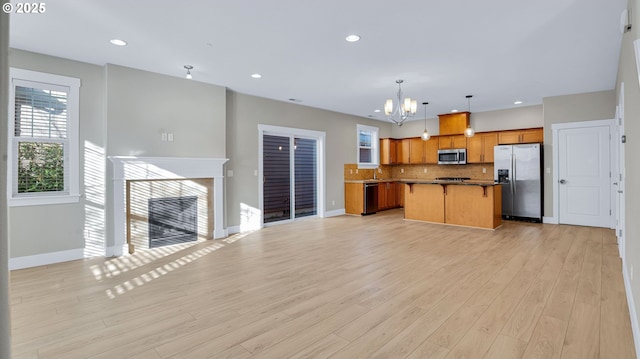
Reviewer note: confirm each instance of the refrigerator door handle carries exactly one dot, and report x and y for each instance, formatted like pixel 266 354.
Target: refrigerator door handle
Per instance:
pixel 514 176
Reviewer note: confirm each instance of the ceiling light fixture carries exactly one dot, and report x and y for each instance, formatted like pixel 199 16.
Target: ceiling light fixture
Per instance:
pixel 469 131
pixel 454 111
pixel 517 102
pixel 189 68
pixel 352 38
pixel 256 76
pixel 118 42
pixel 425 134
pixel 406 107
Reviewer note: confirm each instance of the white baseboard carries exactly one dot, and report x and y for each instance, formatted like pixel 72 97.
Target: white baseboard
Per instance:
pixel 45 258
pixel 233 230
pixel 635 327
pixel 550 220
pixel 334 213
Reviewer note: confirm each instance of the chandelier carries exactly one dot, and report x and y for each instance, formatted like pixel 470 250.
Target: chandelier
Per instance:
pixel 404 109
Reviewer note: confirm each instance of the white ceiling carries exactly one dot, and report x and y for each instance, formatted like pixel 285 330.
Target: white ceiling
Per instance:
pixel 499 51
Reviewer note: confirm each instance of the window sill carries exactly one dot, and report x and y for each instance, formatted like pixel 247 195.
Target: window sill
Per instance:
pixel 43 200
pixel 368 165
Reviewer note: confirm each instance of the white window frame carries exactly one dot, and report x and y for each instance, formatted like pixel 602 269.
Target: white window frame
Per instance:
pixel 72 191
pixel 375 146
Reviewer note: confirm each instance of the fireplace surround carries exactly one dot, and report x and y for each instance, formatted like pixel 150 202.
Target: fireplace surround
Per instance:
pixel 126 168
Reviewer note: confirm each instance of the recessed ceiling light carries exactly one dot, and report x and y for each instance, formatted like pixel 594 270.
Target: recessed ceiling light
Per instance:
pixel 352 38
pixel 454 111
pixel 517 102
pixel 256 76
pixel 376 110
pixel 118 42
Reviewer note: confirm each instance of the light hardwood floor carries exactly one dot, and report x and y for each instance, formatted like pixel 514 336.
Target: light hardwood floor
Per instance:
pixel 342 287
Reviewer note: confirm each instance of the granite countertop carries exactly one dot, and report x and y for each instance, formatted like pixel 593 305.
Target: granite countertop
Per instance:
pixel 470 182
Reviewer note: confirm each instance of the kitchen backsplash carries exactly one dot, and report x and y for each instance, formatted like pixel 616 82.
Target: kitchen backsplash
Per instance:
pixel 473 171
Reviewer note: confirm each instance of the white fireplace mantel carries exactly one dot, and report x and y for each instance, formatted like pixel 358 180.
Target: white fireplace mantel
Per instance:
pixel 126 168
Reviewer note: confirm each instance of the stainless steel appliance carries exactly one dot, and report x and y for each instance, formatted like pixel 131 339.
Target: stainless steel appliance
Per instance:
pixel 452 157
pixel 370 198
pixel 519 169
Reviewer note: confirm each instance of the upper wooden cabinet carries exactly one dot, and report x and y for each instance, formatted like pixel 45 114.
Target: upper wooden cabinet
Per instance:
pixel 388 151
pixel 533 135
pixel 453 123
pixel 480 147
pixel 416 147
pixel 448 142
pixel 431 150
pixel 404 150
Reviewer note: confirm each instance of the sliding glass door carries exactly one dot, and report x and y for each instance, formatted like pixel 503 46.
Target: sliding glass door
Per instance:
pixel 289 167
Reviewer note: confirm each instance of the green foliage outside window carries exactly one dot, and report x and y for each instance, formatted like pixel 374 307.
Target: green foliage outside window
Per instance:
pixel 40 167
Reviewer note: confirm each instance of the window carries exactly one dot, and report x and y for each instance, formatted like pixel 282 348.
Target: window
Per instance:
pixel 43 139
pixel 368 147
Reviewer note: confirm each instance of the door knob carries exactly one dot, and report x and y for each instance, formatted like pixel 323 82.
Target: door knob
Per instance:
pixel 563 181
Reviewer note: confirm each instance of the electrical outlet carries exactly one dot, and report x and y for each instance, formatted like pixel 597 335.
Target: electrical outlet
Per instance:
pixel 484 170
pixel 356 171
pixel 229 173
pixel 333 203
pixel 170 137
pixel 425 170
pixel 402 170
pixel 163 136
pixel 255 173
pixel 351 171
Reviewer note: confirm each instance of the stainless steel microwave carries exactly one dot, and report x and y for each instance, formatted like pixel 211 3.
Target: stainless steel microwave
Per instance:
pixel 452 157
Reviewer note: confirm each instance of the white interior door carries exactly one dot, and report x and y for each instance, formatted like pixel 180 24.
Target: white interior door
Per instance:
pixel 584 176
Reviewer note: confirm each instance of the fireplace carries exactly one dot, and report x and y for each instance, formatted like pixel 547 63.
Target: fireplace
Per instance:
pixel 172 220
pixel 153 171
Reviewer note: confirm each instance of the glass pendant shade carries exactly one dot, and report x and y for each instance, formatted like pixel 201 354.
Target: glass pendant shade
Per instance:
pixel 425 135
pixel 469 132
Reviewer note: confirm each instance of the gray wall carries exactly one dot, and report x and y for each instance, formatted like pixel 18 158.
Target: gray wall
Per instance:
pixel 141 105
pixel 245 112
pixel 63 227
pixel 123 111
pixel 507 119
pixel 5 322
pixel 570 108
pixel 628 73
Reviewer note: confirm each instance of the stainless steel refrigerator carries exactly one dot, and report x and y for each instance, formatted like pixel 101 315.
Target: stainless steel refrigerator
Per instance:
pixel 519 169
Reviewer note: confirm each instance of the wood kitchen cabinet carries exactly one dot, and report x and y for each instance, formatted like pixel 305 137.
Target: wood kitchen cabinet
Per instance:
pixel 387 196
pixel 416 148
pixel 454 123
pixel 532 135
pixel 388 151
pixel 353 198
pixel 449 142
pixel 404 151
pixel 480 147
pixel 431 150
pixel 400 194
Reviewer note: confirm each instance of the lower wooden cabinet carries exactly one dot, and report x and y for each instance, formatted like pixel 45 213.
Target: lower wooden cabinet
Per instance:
pixel 387 195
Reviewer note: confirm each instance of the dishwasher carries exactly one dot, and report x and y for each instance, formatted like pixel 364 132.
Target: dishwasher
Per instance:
pixel 370 198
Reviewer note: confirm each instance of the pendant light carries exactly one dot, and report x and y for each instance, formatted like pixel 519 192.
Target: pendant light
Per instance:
pixel 425 134
pixel 469 131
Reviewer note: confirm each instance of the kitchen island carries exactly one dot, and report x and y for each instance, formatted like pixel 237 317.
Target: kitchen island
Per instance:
pixel 463 203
